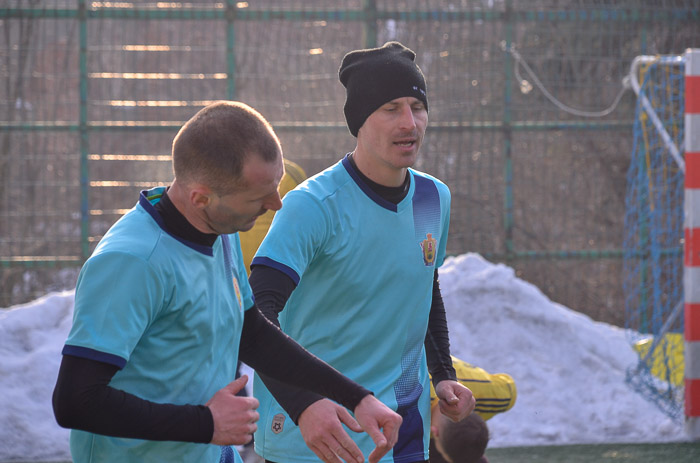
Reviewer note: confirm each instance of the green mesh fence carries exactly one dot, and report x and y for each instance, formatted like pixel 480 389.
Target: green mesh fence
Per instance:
pixel 91 94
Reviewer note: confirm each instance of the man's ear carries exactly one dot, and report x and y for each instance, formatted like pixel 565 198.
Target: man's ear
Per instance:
pixel 200 196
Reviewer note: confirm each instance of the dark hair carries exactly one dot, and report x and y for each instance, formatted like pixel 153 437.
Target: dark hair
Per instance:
pixel 212 146
pixel 464 441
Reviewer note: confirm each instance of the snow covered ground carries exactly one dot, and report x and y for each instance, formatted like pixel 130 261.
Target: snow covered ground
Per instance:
pixel 569 370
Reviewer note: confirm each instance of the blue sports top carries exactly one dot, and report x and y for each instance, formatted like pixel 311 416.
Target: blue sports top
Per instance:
pixel 169 313
pixel 364 270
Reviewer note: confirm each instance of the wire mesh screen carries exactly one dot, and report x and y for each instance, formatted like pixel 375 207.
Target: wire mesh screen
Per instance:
pixel 93 93
pixel 653 260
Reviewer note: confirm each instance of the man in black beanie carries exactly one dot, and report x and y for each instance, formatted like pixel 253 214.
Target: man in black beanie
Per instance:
pixel 356 283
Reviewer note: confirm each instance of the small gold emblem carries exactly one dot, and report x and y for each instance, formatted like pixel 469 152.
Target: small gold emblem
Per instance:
pixel 428 245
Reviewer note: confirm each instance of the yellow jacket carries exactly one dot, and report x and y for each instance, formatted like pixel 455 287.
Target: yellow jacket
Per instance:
pixel 251 239
pixel 494 393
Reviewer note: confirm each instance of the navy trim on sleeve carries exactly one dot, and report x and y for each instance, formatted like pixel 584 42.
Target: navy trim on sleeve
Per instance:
pixel 92 354
pixel 278 266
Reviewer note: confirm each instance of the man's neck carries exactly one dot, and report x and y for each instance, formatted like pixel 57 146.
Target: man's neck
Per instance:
pixel 383 175
pixel 177 224
pixel 392 194
pixel 179 196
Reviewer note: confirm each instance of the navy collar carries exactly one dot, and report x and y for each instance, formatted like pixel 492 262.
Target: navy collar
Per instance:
pixel 385 196
pixel 171 221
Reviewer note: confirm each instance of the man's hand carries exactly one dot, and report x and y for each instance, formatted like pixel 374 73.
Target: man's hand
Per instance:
pixel 456 401
pixel 234 416
pixel 321 427
pixel 381 423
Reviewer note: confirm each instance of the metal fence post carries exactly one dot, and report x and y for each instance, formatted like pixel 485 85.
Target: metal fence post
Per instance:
pixel 84 136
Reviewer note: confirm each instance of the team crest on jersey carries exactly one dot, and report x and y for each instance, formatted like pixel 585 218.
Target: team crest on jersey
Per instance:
pixel 278 423
pixel 238 292
pixel 429 246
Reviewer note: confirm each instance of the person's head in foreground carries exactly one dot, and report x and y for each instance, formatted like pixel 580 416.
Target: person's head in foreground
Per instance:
pixel 461 442
pixel 386 108
pixel 227 162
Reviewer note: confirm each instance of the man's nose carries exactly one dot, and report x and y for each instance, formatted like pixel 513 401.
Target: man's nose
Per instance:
pixel 407 118
pixel 274 203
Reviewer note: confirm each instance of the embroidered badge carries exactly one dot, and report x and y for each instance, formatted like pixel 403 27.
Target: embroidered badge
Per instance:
pixel 428 246
pixel 278 423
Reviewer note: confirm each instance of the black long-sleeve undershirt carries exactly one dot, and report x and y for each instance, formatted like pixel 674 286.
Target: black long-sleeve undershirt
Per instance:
pixel 84 400
pixel 272 288
pixel 437 339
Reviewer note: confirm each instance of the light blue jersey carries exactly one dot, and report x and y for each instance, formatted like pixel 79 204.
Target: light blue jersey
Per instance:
pixel 169 313
pixel 364 269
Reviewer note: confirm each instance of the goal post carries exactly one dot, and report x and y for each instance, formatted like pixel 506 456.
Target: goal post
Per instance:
pixel 691 273
pixel 661 262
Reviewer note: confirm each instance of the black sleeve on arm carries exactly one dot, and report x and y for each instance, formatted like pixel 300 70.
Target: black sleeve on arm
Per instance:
pixel 83 399
pixel 437 339
pixel 272 289
pixel 282 363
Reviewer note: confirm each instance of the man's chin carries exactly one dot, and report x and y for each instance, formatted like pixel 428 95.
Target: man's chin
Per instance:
pixel 247 226
pixel 407 159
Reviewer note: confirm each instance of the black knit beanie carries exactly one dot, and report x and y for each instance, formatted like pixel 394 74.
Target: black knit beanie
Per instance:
pixel 375 76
